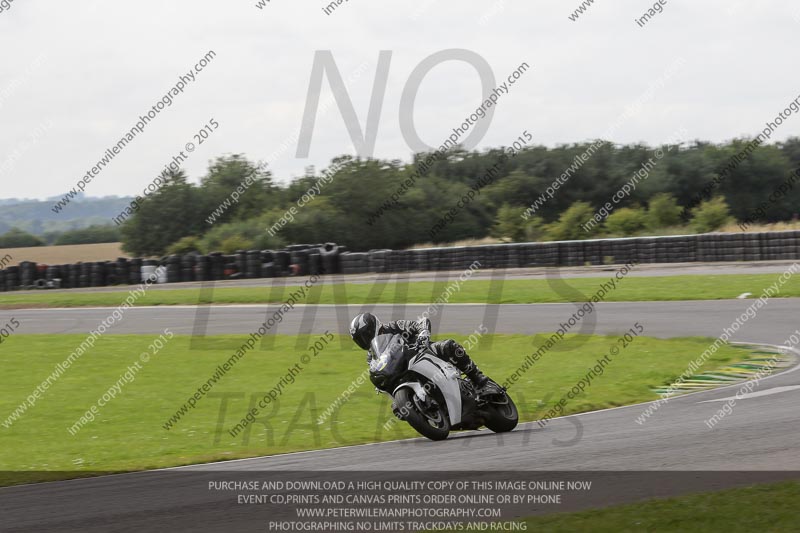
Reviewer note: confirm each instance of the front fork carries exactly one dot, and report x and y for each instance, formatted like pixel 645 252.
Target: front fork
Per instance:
pixel 419 391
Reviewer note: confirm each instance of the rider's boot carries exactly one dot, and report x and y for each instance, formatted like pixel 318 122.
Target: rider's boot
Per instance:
pixel 477 377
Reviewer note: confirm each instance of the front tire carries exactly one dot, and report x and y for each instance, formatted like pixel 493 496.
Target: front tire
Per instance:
pixel 502 414
pixel 429 419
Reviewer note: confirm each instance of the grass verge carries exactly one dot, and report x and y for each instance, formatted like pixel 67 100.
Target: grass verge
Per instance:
pixel 516 291
pixel 768 507
pixel 128 432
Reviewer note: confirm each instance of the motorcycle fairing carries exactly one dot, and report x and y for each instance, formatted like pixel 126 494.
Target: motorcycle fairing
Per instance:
pixel 442 374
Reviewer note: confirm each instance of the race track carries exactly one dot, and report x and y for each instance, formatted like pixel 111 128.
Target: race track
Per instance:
pixel 773 323
pixel 761 434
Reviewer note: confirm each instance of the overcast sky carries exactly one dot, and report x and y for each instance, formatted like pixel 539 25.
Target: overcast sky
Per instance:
pixel 76 76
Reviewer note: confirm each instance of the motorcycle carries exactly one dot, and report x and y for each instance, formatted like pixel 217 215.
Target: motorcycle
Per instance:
pixel 430 393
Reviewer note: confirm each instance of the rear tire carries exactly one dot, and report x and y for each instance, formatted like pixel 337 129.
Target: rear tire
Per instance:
pixel 502 414
pixel 431 422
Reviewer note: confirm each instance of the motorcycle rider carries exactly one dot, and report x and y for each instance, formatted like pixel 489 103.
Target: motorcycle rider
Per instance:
pixel 366 327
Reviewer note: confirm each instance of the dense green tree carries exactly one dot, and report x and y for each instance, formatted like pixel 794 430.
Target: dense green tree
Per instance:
pixel 239 185
pixel 570 225
pixel 16 238
pixel 663 211
pixel 373 203
pixel 246 234
pixel 509 224
pixel 710 215
pixel 165 217
pixel 626 221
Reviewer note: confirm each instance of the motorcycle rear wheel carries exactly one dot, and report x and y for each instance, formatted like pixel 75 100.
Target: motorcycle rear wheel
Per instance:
pixel 430 421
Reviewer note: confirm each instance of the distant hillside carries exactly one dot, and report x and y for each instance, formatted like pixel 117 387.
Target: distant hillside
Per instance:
pixel 37 217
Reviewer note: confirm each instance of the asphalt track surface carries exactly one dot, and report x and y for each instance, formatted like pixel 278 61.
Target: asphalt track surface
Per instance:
pixel 773 323
pixel 757 441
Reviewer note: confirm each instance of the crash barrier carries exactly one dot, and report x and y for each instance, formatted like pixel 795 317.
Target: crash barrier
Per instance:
pixel 295 260
pixel 305 259
pixel 708 247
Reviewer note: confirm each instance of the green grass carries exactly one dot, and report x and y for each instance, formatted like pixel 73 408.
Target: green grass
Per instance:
pixel 128 434
pixel 513 291
pixel 768 507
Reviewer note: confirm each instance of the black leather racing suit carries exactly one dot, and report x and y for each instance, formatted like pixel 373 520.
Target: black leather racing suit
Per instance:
pixel 447 350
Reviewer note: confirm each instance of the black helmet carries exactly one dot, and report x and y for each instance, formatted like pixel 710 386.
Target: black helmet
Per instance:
pixel 363 329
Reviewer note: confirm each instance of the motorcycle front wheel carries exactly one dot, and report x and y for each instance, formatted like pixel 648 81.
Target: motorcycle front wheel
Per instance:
pixel 502 413
pixel 427 417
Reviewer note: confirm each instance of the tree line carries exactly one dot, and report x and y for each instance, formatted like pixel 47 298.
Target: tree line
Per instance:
pixel 174 219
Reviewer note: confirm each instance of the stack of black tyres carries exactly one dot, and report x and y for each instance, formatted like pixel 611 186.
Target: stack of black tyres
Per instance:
pixel 752 248
pixel 329 255
pixel 231 266
pixel 3 287
pixel 281 262
pixel 646 249
pixel 298 259
pixel 314 263
pixel 112 278
pixel 378 261
pixel 27 274
pixel 53 273
pixel 135 271
pixel 12 278
pixel 241 262
pixel 73 271
pixel 421 260
pixel 217 265
pixel 593 252
pixel 84 273
pixel 187 262
pixel 96 274
pixel 709 248
pixel 267 264
pixel 253 262
pixel 173 268
pixel 123 271
pixel 202 268
pixel 764 246
pixel 789 248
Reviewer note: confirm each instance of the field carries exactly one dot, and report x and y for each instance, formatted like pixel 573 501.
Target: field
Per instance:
pixel 134 431
pixel 60 255
pixel 633 289
pixel 768 507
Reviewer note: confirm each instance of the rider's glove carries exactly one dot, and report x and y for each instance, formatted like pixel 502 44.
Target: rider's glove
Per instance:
pixel 424 340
